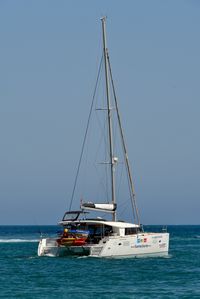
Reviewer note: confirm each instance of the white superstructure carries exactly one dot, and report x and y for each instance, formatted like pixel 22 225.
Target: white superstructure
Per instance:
pixel 111 239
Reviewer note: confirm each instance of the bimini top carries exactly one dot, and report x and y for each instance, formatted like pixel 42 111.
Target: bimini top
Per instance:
pixel 72 215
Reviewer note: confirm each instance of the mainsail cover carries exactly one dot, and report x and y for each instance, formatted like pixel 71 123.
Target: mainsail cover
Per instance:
pixel 104 207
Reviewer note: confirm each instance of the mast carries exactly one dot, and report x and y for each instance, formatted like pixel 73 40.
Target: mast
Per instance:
pixel 110 132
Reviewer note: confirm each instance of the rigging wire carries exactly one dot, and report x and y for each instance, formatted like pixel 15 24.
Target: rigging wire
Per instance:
pixel 103 180
pixel 85 136
pixel 124 209
pixel 131 187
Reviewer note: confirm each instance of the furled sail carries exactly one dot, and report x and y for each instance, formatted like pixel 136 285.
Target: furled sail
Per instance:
pixel 105 207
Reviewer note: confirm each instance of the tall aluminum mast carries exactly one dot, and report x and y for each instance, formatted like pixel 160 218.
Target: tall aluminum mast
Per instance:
pixel 110 132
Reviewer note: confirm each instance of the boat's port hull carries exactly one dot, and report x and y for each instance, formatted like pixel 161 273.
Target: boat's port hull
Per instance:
pixel 50 247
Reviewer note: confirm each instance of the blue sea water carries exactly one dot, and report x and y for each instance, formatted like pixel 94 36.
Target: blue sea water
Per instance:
pixel 24 275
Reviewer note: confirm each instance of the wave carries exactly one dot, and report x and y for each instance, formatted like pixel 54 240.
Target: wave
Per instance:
pixel 184 238
pixel 18 240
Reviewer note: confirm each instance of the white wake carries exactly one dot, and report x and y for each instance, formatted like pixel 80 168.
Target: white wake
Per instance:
pixel 18 240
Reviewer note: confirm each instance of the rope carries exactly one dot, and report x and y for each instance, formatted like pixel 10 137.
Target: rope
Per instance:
pixel 85 136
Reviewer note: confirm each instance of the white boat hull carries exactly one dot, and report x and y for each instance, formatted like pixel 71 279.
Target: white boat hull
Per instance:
pixel 143 244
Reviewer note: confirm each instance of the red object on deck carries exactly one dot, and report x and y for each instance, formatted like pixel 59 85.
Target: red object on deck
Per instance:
pixel 79 242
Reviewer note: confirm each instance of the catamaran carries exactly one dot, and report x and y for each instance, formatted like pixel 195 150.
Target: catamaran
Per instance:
pixel 99 237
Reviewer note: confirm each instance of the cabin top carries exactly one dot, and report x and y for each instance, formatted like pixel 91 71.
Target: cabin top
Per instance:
pixel 118 224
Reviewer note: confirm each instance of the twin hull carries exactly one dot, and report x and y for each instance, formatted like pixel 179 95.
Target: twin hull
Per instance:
pixel 112 246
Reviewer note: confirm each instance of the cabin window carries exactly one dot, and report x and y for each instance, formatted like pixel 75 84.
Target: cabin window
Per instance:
pixel 131 230
pixel 108 230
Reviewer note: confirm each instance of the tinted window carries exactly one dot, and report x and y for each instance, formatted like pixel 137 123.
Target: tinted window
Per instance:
pixel 131 230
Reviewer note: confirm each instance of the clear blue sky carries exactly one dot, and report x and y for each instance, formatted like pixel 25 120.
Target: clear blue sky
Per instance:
pixel 49 52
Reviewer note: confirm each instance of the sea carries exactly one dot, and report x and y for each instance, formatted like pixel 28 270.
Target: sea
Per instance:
pixel 25 275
